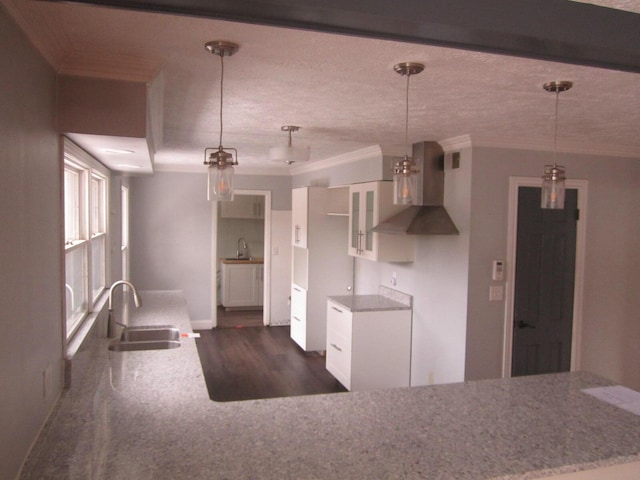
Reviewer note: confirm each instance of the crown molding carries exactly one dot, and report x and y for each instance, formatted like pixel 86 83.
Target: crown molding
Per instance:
pixel 342 159
pixel 583 148
pixel 239 170
pixel 456 143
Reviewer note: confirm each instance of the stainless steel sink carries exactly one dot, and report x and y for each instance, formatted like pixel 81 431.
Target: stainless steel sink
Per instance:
pixel 120 346
pixel 150 333
pixel 147 337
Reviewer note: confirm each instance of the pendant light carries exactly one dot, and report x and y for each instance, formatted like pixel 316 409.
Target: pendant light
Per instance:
pixel 404 171
pixel 553 179
pixel 289 154
pixel 220 161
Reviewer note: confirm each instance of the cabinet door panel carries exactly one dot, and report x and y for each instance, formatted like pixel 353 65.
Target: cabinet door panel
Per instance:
pixel 354 227
pixel 299 216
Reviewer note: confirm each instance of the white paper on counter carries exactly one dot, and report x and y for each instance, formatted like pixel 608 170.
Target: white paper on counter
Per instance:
pixel 617 395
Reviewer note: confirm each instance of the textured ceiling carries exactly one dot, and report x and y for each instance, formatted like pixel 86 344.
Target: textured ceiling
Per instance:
pixel 341 90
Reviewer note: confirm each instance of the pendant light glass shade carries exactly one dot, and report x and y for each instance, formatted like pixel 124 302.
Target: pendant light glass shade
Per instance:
pixel 220 183
pixel 553 179
pixel 553 182
pixel 405 180
pixel 288 153
pixel 219 160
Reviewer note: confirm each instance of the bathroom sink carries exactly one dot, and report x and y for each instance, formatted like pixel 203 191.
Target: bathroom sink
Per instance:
pixel 128 346
pixel 150 333
pixel 147 337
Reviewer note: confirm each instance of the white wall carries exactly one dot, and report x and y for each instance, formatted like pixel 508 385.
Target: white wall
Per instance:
pixel 611 331
pixel 280 267
pixel 30 247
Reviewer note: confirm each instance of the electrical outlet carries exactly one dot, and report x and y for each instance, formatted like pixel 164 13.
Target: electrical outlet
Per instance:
pixel 394 280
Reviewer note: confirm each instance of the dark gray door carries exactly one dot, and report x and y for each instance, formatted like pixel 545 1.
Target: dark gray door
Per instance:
pixel 545 271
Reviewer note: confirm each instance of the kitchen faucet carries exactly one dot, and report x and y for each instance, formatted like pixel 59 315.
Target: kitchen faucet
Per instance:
pixel 241 248
pixel 136 299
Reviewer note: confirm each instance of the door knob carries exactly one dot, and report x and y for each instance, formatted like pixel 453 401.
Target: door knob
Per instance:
pixel 522 324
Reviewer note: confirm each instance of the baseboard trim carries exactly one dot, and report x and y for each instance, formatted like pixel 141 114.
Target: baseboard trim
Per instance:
pixel 201 324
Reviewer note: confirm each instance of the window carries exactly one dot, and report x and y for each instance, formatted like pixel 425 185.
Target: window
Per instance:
pixel 85 225
pixel 125 232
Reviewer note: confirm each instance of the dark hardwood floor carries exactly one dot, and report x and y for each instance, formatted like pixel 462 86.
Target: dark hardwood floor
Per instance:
pixel 239 318
pixel 247 363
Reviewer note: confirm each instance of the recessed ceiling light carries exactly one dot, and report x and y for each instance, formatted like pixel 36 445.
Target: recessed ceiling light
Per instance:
pixel 124 165
pixel 118 151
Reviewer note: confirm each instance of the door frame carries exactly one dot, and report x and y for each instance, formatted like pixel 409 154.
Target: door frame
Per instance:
pixel 266 290
pixel 581 231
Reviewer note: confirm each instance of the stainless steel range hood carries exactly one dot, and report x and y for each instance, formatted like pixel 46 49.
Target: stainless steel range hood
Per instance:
pixel 428 217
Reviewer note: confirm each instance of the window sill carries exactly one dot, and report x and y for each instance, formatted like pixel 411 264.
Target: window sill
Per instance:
pixel 79 338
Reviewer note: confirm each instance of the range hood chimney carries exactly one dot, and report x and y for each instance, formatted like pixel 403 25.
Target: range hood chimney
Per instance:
pixel 429 216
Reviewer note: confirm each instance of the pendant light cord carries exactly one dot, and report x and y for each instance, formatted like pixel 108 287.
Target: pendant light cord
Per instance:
pixel 406 120
pixel 555 133
pixel 221 93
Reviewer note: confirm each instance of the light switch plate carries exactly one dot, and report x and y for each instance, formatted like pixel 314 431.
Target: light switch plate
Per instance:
pixel 496 293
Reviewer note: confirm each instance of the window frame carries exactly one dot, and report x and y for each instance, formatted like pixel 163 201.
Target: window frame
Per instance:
pixel 91 174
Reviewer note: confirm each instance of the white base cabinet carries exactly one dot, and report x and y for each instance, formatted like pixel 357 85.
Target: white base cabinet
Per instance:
pixel 368 350
pixel 242 285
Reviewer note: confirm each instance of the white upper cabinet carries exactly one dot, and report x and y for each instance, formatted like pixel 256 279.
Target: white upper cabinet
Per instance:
pixel 369 204
pixel 300 217
pixel 243 206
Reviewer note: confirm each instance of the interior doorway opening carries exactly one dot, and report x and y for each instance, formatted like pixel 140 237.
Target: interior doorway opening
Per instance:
pixel 241 243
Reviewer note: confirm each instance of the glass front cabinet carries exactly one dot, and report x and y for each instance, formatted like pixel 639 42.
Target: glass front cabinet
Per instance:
pixel 369 204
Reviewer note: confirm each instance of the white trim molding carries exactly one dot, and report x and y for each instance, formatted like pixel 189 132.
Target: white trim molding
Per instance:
pixel 581 235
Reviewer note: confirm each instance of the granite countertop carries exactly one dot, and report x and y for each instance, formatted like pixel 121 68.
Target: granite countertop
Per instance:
pixel 147 415
pixel 368 303
pixel 233 261
pixel 386 299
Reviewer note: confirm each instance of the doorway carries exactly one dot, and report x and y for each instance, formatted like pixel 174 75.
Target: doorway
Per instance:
pixel 242 229
pixel 545 255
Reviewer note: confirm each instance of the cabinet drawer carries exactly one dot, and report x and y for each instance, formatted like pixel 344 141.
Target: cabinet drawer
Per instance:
pixel 299 302
pixel 339 357
pixel 298 330
pixel 339 319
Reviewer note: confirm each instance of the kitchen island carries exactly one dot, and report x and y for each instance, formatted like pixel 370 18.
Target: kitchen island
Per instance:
pixel 147 415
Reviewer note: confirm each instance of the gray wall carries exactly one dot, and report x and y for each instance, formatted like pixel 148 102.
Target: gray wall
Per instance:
pixel 30 246
pixel 171 232
pixel 368 169
pixel 611 331
pixel 280 187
